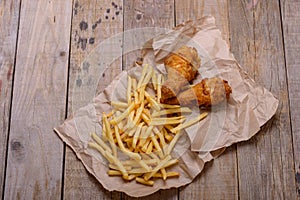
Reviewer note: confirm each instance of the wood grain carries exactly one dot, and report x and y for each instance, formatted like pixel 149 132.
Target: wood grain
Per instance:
pixel 9 20
pixel 291 32
pixel 265 163
pixel 35 153
pixel 218 179
pixel 139 14
pixel 92 22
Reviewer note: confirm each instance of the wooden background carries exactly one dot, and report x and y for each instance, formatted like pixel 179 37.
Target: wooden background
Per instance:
pixel 43 44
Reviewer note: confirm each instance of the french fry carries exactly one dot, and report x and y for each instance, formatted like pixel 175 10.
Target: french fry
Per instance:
pixel 97 147
pixel 123 115
pixel 147 77
pixel 168 106
pixel 154 80
pixel 170 163
pixel 167 135
pixel 159 84
pixel 169 174
pixel 129 177
pixel 156 145
pixel 114 167
pixel 144 71
pixel 164 121
pixel 152 101
pixel 109 135
pixel 134 84
pixel 137 134
pixel 149 148
pixel 189 123
pixel 173 142
pixel 117 105
pixel 114 172
pixel 142 181
pixel 164 173
pixel 101 142
pixel 171 111
pixel 160 136
pixel 146 118
pixel 116 161
pixel 157 168
pixel 136 97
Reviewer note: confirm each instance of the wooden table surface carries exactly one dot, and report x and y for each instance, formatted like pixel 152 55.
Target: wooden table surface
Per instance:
pixel 43 44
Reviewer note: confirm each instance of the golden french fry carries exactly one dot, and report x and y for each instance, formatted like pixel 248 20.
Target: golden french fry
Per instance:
pixel 101 142
pixel 144 71
pixel 147 77
pixel 149 148
pixel 98 148
pixel 137 134
pixel 118 137
pixel 173 142
pixel 123 115
pixel 171 111
pixel 114 173
pixel 134 84
pixel 160 136
pixel 159 84
pixel 118 104
pixel 142 181
pixel 114 167
pixel 168 106
pixel 157 168
pixel 170 163
pixel 152 101
pixel 161 121
pixel 117 162
pixel 164 173
pixel 189 123
pixel 146 118
pixel 129 177
pixel 156 145
pixel 167 135
pixel 154 80
pixel 169 174
pixel 109 135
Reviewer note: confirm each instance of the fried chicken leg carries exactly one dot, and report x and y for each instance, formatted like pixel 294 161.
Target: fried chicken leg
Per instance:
pixel 182 66
pixel 208 92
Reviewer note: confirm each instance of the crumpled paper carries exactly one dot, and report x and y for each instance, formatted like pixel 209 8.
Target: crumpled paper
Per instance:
pixel 249 107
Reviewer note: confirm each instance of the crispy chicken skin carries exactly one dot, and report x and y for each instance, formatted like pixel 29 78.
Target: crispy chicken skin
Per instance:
pixel 182 66
pixel 208 92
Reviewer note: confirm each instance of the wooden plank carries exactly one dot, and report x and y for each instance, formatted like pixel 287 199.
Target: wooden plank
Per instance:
pixel 139 14
pixel 265 163
pixel 9 20
pixel 218 179
pixel 35 154
pixel 93 22
pixel 291 32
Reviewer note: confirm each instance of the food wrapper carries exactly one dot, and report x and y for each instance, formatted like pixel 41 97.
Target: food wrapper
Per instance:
pixel 248 108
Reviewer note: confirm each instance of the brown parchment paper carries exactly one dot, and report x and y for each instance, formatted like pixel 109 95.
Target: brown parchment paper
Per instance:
pixel 249 107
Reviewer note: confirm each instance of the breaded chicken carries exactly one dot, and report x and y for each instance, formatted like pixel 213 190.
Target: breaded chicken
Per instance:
pixel 208 92
pixel 182 67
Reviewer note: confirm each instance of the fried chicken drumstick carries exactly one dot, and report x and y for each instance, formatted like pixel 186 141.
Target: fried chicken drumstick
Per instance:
pixel 208 92
pixel 182 66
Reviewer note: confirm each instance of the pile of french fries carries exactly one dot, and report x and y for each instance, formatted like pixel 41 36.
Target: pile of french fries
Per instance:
pixel 144 130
